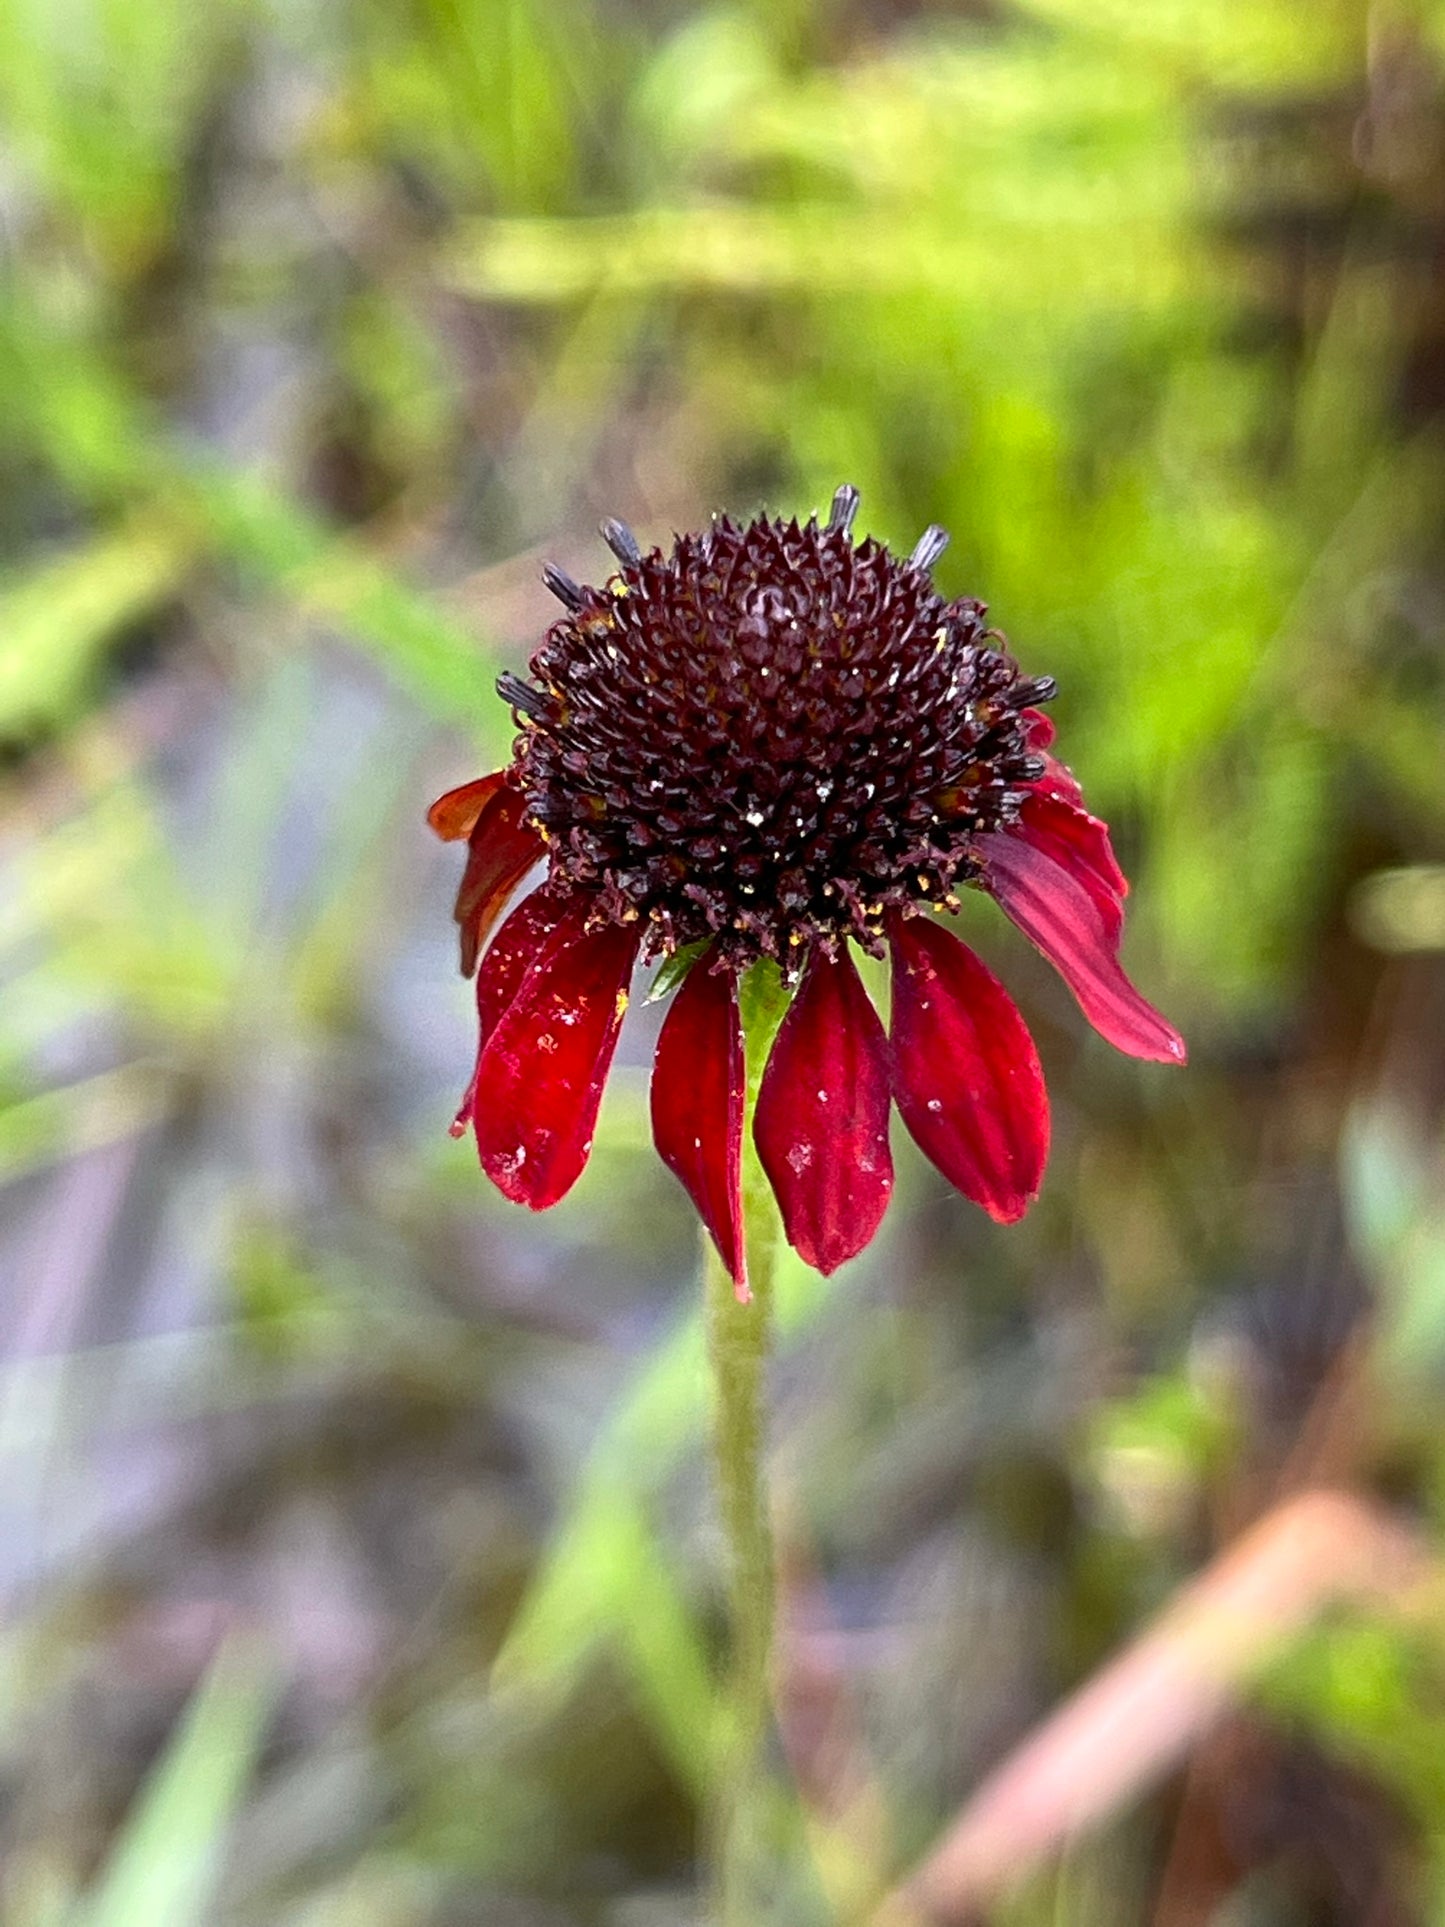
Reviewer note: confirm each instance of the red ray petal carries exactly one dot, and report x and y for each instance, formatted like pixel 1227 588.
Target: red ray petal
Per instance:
pixel 1078 843
pixel 540 1079
pixel 522 943
pixel 502 847
pixel 453 815
pixel 518 947
pixel 822 1119
pixel 966 1076
pixel 1060 781
pixel 1061 918
pixel 1039 731
pixel 698 1090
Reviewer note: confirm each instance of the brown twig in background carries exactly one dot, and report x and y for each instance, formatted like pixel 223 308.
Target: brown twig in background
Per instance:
pixel 1138 1717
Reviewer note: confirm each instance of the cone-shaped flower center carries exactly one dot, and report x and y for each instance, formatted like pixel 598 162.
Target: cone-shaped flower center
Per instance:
pixel 770 736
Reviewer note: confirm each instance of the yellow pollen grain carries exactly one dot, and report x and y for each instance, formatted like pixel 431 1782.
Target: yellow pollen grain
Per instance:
pixel 621 1003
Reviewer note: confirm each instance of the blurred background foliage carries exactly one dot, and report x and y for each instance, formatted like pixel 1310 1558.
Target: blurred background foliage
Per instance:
pixel 357 1555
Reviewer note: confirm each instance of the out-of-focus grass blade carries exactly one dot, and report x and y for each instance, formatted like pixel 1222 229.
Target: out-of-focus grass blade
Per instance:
pixel 98 101
pixel 163 1869
pixel 103 891
pixel 629 1581
pixel 299 557
pixel 1396 1217
pixel 99 1110
pixel 105 442
pixel 1401 910
pixel 1269 44
pixel 816 250
pixel 573 1602
pixel 55 623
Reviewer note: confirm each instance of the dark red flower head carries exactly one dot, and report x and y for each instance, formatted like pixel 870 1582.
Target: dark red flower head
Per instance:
pixel 765 744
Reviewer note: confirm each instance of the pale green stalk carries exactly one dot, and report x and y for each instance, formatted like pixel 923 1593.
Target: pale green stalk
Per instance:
pixel 739 1342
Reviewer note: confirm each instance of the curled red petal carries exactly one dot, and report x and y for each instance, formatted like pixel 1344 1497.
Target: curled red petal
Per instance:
pixel 453 815
pixel 540 1079
pixel 698 1090
pixel 1078 843
pixel 501 848
pixel 822 1116
pixel 1062 919
pixel 1039 731
pixel 966 1075
pixel 518 947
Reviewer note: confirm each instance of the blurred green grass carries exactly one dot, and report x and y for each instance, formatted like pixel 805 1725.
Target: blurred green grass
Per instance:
pixel 322 326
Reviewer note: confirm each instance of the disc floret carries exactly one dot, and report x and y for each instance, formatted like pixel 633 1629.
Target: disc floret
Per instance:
pixel 771 736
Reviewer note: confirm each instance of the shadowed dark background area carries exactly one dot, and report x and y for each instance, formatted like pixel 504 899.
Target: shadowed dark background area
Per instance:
pixel 357 1554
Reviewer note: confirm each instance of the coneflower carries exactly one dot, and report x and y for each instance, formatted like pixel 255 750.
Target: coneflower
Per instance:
pixel 776 743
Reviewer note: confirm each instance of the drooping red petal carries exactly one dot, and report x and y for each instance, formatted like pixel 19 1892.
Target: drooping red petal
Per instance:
pixel 540 1079
pixel 453 815
pixel 822 1117
pixel 1078 843
pixel 966 1076
pixel 518 947
pixel 501 848
pixel 1062 919
pixel 698 1091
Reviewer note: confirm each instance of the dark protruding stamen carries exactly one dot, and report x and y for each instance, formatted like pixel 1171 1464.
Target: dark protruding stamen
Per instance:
pixel 845 507
pixel 1022 769
pixel 1025 695
pixel 562 586
pixel 522 696
pixel 620 539
pixel 929 547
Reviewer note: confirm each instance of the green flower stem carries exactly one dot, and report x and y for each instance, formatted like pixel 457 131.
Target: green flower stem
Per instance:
pixel 739 1341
